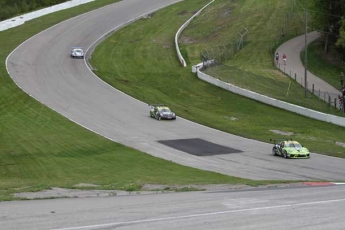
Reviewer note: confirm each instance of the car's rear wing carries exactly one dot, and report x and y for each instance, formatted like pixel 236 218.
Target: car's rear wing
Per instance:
pixel 280 139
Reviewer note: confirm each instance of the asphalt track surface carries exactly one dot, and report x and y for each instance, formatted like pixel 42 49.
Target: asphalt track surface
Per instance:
pixel 302 208
pixel 42 68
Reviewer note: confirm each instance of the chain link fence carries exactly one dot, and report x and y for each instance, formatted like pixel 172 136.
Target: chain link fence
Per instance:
pixel 217 63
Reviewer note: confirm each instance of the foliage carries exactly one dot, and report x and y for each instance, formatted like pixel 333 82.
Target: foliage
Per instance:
pixel 10 8
pixel 341 39
pixel 330 16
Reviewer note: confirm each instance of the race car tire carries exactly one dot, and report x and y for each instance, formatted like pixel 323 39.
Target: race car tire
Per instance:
pixel 274 152
pixel 159 118
pixel 285 154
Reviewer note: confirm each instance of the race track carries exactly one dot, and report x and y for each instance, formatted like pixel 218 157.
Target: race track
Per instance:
pixel 42 68
pixel 302 208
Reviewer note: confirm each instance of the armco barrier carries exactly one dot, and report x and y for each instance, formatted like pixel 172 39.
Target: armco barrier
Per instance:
pixel 273 102
pixel 180 57
pixel 13 22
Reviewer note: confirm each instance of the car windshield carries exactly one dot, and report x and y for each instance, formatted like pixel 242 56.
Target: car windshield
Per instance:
pixel 78 50
pixel 294 145
pixel 165 110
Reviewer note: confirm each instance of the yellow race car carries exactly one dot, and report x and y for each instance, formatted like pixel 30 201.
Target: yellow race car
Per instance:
pixel 289 148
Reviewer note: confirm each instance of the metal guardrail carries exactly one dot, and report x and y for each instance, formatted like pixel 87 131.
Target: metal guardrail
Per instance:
pixel 273 102
pixel 180 57
pixel 20 20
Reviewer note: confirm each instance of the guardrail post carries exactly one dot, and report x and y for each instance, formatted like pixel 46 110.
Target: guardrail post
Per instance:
pixel 329 100
pixel 335 102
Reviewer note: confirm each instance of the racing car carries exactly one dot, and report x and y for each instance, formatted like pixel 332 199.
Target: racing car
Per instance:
pixel 77 52
pixel 160 112
pixel 289 148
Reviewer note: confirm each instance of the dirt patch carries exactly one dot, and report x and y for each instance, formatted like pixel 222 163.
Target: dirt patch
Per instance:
pixel 340 144
pixel 231 118
pixel 225 14
pixel 134 40
pixel 86 185
pixel 282 133
pixel 149 15
pixel 183 12
pixel 186 40
pixel 75 193
pixel 146 189
pixel 167 46
pixel 195 187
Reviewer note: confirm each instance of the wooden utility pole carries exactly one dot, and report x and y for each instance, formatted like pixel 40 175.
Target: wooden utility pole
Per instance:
pixel 306 55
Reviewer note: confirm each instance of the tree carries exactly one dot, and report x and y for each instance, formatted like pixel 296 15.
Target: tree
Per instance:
pixel 330 19
pixel 341 40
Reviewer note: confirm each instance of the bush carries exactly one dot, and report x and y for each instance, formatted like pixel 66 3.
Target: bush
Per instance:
pixel 11 8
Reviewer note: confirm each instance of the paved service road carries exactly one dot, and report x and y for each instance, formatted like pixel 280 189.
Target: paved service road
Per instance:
pixel 302 208
pixel 294 65
pixel 43 69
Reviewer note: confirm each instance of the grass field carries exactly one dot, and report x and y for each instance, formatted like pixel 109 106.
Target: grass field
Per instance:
pixel 250 68
pixel 323 65
pixel 143 64
pixel 40 149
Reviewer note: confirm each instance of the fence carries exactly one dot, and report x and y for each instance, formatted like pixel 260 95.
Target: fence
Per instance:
pixel 223 53
pixel 284 89
pixel 337 120
pixel 217 61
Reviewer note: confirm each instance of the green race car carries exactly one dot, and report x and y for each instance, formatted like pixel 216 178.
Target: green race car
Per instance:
pixel 289 149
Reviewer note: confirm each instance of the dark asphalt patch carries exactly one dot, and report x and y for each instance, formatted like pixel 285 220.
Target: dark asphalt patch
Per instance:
pixel 199 147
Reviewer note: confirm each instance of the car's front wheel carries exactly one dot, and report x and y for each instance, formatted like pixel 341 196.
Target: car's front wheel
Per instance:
pixel 285 154
pixel 274 151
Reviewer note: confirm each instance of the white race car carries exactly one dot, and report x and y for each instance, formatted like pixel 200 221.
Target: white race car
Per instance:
pixel 77 52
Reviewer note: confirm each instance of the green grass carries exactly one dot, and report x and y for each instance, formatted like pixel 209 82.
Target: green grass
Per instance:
pixel 326 67
pixel 147 68
pixel 40 149
pixel 250 68
pixel 274 85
